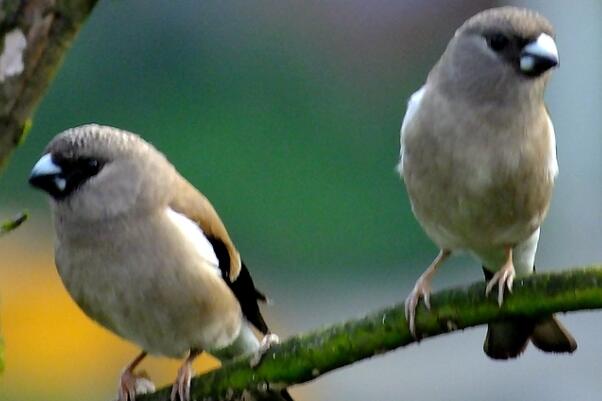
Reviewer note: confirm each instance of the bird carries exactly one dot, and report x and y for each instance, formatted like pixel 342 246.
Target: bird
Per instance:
pixel 145 254
pixel 478 159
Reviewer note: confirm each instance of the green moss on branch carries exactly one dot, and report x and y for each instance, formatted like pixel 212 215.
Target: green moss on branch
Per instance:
pixel 304 357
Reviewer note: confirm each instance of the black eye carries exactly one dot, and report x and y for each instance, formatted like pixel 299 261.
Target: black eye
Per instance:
pixel 77 171
pixel 84 168
pixel 91 165
pixel 497 41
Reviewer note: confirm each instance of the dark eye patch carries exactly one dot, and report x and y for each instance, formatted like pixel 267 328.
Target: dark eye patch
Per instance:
pixel 84 166
pixel 498 42
pixel 76 171
pixel 507 46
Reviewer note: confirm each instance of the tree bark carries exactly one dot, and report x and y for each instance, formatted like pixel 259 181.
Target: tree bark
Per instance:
pixel 34 37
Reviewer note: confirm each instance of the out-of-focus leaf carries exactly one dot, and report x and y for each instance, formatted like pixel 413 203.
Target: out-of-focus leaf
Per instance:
pixel 13 223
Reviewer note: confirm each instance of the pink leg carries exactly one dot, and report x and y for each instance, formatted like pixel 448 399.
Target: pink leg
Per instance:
pixel 422 288
pixel 503 278
pixel 131 383
pixel 181 388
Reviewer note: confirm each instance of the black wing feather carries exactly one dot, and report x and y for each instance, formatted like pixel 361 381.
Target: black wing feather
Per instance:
pixel 243 287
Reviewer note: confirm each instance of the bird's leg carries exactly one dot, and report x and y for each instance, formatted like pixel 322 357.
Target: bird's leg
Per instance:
pixel 422 288
pixel 266 343
pixel 181 388
pixel 503 278
pixel 131 384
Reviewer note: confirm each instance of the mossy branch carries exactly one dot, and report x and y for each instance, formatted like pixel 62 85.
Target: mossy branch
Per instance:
pixel 305 357
pixel 34 37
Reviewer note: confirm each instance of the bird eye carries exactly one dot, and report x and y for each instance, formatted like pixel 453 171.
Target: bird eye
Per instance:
pixel 92 164
pixel 497 41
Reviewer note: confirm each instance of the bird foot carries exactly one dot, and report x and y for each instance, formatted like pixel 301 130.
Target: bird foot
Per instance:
pixel 503 278
pixel 266 343
pixel 422 289
pixel 131 384
pixel 181 388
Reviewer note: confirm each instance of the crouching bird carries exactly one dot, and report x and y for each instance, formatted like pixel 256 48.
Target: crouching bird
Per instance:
pixel 478 157
pixel 145 254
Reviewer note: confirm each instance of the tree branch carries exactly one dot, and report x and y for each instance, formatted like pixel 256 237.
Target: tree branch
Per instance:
pixel 305 357
pixel 34 37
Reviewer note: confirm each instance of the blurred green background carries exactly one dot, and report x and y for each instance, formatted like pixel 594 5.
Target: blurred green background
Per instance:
pixel 286 114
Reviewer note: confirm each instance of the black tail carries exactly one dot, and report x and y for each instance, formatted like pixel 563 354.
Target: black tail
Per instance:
pixel 509 338
pixel 243 287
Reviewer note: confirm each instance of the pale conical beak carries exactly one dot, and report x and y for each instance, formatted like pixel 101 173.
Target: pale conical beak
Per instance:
pixel 539 56
pixel 48 176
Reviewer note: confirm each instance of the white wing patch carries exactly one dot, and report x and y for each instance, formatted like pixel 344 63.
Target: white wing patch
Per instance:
pixel 196 236
pixel 411 110
pixel 552 160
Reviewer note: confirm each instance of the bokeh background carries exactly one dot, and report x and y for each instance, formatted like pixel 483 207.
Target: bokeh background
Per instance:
pixel 286 115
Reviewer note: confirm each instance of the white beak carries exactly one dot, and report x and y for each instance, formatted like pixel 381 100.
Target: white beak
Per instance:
pixel 45 167
pixel 539 55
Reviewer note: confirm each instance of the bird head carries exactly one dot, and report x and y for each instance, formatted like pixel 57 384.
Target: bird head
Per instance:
pixel 501 52
pixel 100 172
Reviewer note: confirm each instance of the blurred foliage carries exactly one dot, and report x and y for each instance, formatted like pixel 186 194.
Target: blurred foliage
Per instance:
pixel 286 116
pixel 9 225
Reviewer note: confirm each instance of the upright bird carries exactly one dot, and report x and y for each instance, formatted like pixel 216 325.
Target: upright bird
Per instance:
pixel 478 157
pixel 145 254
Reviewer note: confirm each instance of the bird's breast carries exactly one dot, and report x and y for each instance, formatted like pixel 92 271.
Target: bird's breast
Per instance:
pixel 471 183
pixel 147 284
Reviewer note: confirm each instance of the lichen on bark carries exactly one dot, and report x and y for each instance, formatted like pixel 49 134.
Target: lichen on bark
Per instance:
pixel 34 37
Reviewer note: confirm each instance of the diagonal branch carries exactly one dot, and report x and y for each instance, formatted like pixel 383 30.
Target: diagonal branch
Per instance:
pixel 305 357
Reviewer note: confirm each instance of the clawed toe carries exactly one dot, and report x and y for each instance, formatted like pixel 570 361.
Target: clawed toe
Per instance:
pixel 180 390
pixel 503 278
pixel 131 384
pixel 410 306
pixel 421 290
pixel 181 387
